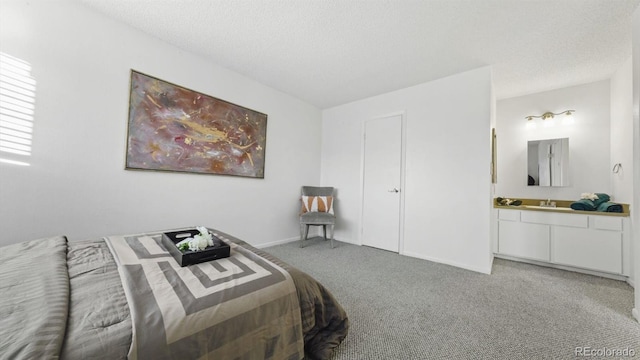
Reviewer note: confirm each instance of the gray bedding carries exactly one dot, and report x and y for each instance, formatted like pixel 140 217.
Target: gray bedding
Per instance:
pixel 83 278
pixel 33 299
pixel 210 310
pixel 99 323
pixel 324 321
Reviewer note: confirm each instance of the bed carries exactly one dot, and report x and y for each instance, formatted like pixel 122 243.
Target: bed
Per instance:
pixel 126 297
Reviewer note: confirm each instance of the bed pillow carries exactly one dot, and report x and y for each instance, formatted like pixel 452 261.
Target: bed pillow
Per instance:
pixel 317 204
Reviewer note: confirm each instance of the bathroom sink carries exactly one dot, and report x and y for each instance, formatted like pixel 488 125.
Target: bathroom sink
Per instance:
pixel 548 208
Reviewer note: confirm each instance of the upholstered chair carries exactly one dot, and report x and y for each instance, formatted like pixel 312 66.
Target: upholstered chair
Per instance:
pixel 317 210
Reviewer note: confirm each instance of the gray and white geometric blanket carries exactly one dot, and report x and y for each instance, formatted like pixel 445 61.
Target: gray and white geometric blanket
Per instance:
pixel 240 307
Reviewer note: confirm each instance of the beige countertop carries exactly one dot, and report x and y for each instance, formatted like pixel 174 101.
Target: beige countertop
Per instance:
pixel 562 206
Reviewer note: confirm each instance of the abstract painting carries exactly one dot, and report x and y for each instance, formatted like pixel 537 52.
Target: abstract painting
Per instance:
pixel 172 128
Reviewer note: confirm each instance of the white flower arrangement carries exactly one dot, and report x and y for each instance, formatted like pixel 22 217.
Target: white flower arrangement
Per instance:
pixel 589 196
pixel 198 242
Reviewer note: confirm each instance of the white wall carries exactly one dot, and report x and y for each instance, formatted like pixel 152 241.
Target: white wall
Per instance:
pixel 635 210
pixel 447 180
pixel 622 132
pixel 76 183
pixel 589 141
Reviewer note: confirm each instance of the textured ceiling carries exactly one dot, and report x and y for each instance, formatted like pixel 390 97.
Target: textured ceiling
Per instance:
pixel 330 52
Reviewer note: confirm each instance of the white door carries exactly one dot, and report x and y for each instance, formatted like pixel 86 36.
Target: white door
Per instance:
pixel 544 164
pixel 381 188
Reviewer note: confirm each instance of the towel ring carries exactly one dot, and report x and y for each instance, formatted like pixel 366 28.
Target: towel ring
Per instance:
pixel 616 168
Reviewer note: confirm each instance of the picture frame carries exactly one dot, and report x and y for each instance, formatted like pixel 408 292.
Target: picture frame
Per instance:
pixel 173 128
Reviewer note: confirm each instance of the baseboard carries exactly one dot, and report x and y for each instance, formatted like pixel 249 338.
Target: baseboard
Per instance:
pixel 566 268
pixel 636 314
pixel 491 263
pixel 278 242
pixel 348 242
pixel 447 262
pixel 631 282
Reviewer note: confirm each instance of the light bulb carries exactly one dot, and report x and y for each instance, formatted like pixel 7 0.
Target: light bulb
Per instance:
pixel 548 123
pixel 568 119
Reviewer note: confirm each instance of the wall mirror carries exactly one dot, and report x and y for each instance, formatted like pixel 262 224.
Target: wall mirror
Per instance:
pixel 548 162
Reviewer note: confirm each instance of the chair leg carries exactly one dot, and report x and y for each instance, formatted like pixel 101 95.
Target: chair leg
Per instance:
pixel 332 226
pixel 324 231
pixel 302 235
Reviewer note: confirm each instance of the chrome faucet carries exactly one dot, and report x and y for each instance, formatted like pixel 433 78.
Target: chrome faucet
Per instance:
pixel 548 203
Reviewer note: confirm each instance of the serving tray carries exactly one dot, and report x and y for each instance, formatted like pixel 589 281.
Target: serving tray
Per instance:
pixel 219 250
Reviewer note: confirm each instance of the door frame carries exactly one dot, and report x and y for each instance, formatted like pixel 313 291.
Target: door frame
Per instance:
pixel 403 142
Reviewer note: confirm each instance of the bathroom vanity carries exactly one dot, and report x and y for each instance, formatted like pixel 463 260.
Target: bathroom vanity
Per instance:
pixel 592 242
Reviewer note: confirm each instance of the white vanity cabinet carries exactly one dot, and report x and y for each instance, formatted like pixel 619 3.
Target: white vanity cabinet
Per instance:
pixel 529 241
pixel 597 243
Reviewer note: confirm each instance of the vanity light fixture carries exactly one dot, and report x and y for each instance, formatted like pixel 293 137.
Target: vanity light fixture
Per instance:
pixel 569 119
pixel 531 124
pixel 548 117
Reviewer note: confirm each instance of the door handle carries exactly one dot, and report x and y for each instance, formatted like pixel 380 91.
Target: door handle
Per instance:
pixel 394 190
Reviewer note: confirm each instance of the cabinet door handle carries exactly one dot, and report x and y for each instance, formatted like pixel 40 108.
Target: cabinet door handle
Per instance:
pixel 394 190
